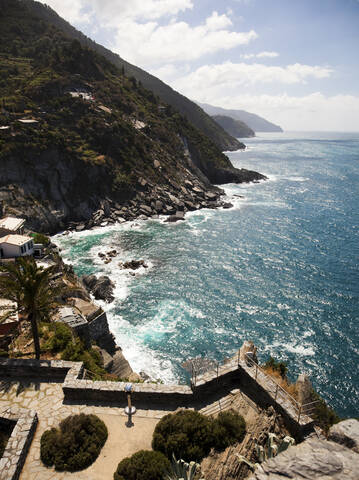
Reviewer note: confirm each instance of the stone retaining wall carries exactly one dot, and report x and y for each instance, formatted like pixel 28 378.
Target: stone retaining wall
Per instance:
pixel 98 327
pixel 55 370
pixel 19 442
pixel 144 396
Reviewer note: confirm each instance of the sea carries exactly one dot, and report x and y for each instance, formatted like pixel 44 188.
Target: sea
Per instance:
pixel 280 268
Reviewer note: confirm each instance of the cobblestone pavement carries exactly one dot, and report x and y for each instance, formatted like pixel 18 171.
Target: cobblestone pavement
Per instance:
pixel 47 400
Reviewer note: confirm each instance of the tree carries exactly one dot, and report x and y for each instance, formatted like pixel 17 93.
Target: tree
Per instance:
pixel 31 288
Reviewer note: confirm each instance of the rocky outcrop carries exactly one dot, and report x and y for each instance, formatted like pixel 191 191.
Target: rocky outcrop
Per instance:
pixel 248 349
pixel 346 433
pixel 317 459
pixel 133 265
pixel 304 389
pixel 101 287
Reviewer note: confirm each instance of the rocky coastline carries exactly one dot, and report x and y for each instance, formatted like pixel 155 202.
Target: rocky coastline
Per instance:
pixel 151 201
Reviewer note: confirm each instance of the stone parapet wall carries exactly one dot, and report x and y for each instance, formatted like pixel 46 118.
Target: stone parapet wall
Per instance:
pixel 19 442
pixel 55 370
pixel 144 395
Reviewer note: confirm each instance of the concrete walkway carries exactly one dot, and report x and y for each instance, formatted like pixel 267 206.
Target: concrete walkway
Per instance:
pixel 48 401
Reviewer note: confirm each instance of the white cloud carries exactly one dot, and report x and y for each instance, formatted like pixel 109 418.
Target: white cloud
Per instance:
pixel 310 112
pixel 212 80
pixel 151 45
pixel 247 56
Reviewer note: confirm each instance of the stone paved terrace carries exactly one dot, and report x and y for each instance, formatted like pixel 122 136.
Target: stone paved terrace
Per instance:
pixel 47 399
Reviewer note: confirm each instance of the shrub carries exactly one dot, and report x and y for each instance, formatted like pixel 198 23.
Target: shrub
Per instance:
pixel 190 435
pixel 61 338
pixel 323 415
pixel 186 434
pixel 40 238
pixel 143 465
pixel 76 352
pixel 278 366
pixel 229 428
pixel 75 444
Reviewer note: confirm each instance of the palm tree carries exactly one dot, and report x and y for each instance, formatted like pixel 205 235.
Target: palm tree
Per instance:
pixel 31 288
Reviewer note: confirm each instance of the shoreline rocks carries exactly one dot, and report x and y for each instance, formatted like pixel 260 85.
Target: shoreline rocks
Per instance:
pixel 150 201
pixel 101 287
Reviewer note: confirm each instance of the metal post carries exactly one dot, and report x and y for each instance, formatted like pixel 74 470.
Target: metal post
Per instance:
pixel 129 410
pixel 276 391
pixel 238 358
pixel 256 370
pixel 217 368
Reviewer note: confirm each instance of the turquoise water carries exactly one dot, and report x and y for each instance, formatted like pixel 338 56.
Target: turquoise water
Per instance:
pixel 280 268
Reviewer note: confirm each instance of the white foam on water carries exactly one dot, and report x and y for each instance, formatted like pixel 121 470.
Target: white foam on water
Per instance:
pixel 249 309
pixel 140 357
pixel 303 350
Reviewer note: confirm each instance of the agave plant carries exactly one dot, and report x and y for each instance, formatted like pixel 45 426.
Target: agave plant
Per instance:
pixel 270 450
pixel 181 470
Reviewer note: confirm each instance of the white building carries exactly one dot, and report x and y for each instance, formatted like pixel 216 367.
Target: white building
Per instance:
pixel 12 246
pixel 11 225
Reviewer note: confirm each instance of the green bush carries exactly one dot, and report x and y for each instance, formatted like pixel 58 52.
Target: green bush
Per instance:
pixel 323 415
pixel 229 428
pixel 40 238
pixel 143 465
pixel 75 444
pixel 61 338
pixel 76 352
pixel 190 435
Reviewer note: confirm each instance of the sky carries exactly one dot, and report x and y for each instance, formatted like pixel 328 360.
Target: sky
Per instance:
pixel 294 62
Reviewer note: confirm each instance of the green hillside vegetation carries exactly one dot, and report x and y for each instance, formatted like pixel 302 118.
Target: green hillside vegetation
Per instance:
pixel 234 127
pixel 39 64
pixel 186 107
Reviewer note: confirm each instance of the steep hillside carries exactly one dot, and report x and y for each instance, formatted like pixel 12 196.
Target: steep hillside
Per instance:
pixel 186 107
pixel 236 128
pixel 255 122
pixel 85 141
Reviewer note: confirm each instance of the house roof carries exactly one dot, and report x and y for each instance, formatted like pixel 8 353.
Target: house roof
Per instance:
pixel 11 223
pixel 15 239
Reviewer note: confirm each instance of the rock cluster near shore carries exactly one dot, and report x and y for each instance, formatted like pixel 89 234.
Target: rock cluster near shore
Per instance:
pixel 154 200
pixel 101 288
